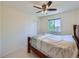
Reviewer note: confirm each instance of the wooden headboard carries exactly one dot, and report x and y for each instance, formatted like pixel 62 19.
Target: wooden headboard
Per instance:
pixel 76 33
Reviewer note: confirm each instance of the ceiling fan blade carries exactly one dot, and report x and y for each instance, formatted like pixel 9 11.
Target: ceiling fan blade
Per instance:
pixel 37 7
pixel 38 12
pixel 49 3
pixel 51 9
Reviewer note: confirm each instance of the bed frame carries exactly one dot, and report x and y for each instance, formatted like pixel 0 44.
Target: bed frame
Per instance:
pixel 40 54
pixel 76 34
pixel 37 52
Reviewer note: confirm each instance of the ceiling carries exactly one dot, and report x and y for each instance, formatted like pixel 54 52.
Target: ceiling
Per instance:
pixel 27 6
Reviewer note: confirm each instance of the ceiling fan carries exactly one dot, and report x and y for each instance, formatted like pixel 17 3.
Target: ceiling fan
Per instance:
pixel 44 8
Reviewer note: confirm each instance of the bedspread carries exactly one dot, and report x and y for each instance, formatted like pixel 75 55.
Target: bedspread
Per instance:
pixel 56 46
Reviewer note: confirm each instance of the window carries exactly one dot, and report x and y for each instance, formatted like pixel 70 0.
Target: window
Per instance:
pixel 54 25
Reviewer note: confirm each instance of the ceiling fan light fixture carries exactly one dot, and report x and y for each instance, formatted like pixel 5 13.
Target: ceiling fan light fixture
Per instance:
pixel 45 8
pixel 44 12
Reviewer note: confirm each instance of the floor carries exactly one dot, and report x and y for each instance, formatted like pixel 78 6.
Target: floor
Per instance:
pixel 22 53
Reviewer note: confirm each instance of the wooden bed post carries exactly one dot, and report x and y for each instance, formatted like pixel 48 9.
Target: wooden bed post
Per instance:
pixel 74 29
pixel 29 46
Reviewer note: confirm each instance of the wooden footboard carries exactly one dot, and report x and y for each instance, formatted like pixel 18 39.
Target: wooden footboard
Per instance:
pixel 29 45
pixel 37 52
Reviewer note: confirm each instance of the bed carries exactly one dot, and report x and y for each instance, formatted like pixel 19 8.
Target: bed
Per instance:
pixel 53 46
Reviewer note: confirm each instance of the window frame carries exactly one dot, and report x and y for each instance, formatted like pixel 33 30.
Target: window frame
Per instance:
pixel 54 25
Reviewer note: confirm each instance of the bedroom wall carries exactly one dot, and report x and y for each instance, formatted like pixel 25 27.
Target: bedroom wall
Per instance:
pixel 0 31
pixel 67 18
pixel 16 26
pixel 78 18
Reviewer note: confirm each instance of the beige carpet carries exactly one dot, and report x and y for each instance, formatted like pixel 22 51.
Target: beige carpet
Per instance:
pixel 22 53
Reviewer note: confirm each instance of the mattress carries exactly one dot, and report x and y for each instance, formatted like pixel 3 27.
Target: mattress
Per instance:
pixel 56 46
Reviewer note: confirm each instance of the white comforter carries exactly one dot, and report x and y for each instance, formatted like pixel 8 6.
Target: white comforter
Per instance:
pixel 57 46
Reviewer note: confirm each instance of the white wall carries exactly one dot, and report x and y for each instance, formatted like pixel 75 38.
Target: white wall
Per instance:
pixel 67 18
pixel 0 30
pixel 78 18
pixel 16 27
